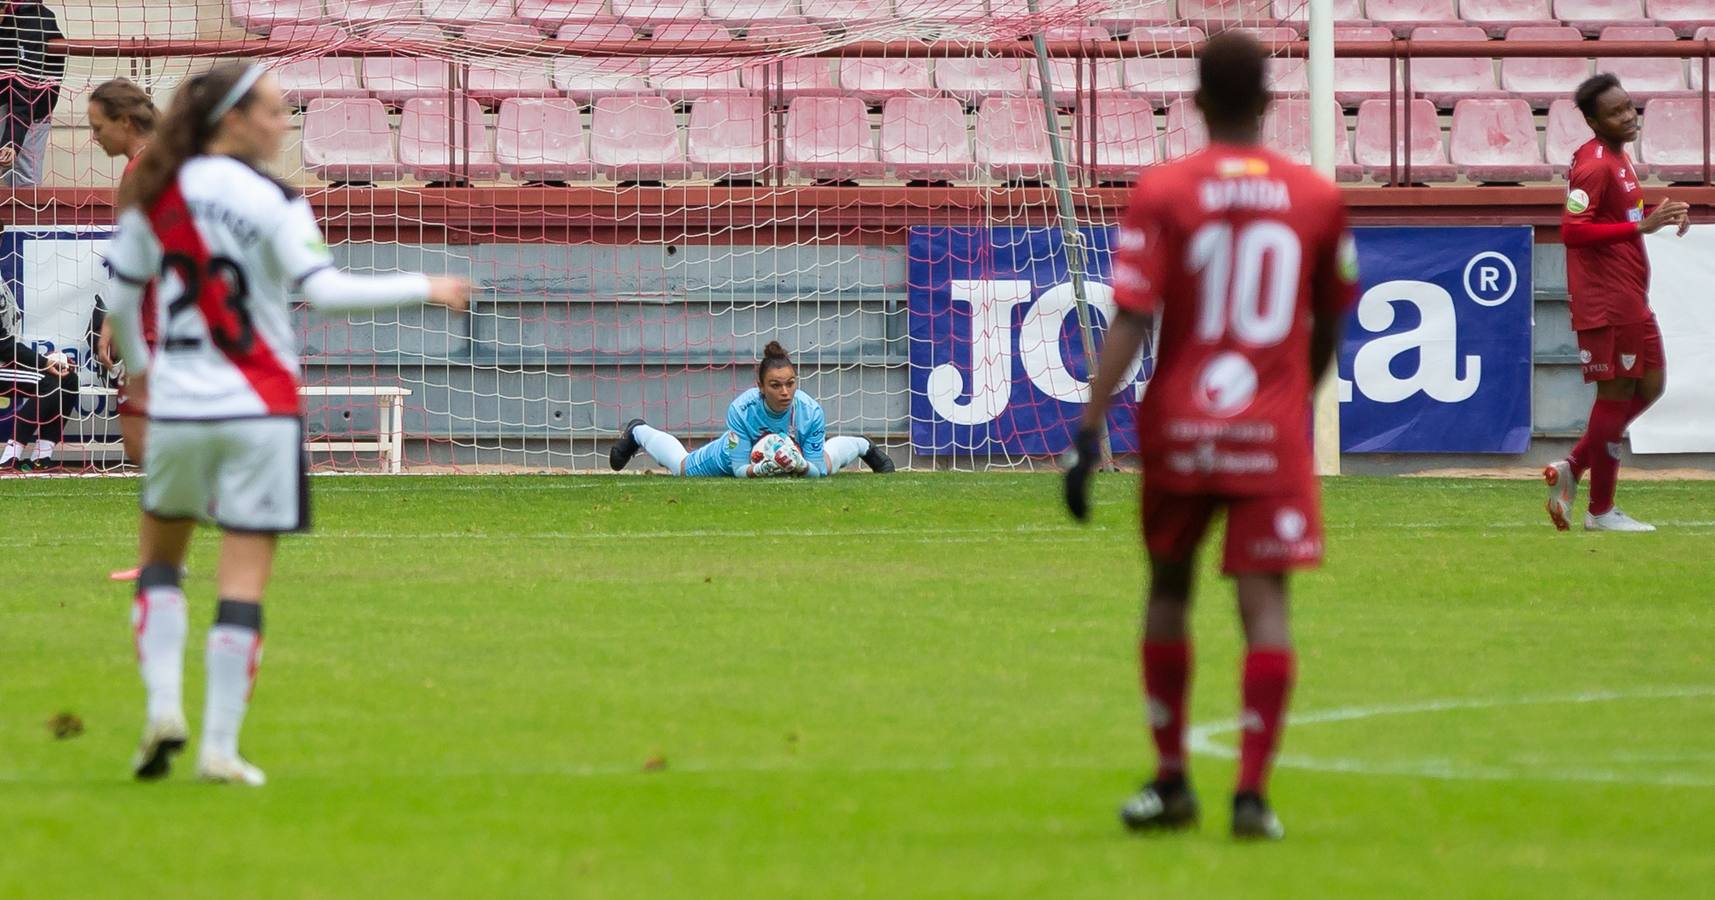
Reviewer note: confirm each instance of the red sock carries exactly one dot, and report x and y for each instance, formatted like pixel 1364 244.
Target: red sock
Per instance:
pixel 1639 404
pixel 1268 680
pixel 1601 443
pixel 1166 682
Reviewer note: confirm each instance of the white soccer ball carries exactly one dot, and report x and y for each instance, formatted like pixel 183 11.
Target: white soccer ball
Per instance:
pixel 58 360
pixel 779 448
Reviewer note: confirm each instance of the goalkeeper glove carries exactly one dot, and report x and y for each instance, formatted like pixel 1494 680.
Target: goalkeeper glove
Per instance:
pixel 1086 453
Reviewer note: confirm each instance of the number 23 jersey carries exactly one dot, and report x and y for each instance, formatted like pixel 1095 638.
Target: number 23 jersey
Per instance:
pixel 226 245
pixel 1232 249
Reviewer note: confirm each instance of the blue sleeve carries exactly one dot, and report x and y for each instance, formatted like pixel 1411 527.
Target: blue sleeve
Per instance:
pixel 738 444
pixel 813 433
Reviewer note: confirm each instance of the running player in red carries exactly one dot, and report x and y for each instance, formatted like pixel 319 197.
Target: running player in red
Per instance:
pixel 1245 260
pixel 1607 277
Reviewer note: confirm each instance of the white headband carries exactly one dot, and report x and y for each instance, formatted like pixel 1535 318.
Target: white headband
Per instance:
pixel 239 88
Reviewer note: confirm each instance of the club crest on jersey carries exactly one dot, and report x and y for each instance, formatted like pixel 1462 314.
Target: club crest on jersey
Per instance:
pixel 1290 524
pixel 1228 385
pixel 1627 360
pixel 1577 201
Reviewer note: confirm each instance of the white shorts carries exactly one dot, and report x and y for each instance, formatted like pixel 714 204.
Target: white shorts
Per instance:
pixel 241 474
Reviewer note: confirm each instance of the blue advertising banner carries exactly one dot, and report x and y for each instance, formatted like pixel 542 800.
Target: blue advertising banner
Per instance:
pixel 1436 357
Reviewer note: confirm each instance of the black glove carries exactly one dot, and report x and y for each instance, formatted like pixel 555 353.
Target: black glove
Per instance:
pixel 1086 453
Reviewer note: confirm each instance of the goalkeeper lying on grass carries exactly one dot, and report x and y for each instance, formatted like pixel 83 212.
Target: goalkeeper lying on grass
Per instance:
pixel 774 407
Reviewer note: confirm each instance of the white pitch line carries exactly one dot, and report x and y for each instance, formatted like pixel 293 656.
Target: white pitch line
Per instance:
pixel 1200 740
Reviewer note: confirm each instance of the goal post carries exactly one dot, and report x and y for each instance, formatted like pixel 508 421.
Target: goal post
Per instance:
pixel 1322 112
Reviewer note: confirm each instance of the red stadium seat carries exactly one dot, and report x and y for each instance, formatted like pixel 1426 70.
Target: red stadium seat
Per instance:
pixel 1219 15
pixel 1185 132
pixel 507 76
pixel 1123 14
pixel 1271 35
pixel 1166 77
pixel 1109 73
pixel 1124 135
pixel 349 140
pixel 1406 16
pixel 1288 76
pixel 1446 81
pixel 924 138
pixel 542 140
pixel 588 78
pixel 799 34
pixel 373 12
pixel 1495 141
pixel 1683 16
pixel 425 152
pixel 1499 16
pixel 1169 40
pixel 1547 79
pixel 261 16
pixel 549 16
pixel 972 10
pixel 794 77
pixel 1286 130
pixel 684 78
pixel 1357 80
pixel 1296 13
pixel 726 135
pixel 971 78
pixel 1567 131
pixel 754 13
pixel 1591 16
pixel 1012 139
pixel 636 139
pixel 848 12
pixel 699 32
pixel 1372 141
pixel 303 80
pixel 653 13
pixel 469 12
pixel 1706 33
pixel 395 79
pixel 830 139
pixel 1644 78
pixel 1673 140
pixel 880 80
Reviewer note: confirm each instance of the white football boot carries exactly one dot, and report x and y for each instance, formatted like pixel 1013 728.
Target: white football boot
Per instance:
pixel 1614 520
pixel 162 739
pixel 220 769
pixel 1562 493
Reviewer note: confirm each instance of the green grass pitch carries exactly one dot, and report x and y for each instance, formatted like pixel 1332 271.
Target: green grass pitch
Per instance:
pixel 922 685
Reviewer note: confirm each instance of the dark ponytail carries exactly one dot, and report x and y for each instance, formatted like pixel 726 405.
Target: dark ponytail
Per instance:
pixel 185 133
pixel 774 356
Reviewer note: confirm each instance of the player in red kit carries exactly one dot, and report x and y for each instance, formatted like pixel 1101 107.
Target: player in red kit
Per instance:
pixel 1607 276
pixel 1245 260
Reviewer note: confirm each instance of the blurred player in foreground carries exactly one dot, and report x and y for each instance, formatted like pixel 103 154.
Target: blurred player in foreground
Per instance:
pixel 1607 277
pixel 774 406
pixel 1245 259
pixel 226 436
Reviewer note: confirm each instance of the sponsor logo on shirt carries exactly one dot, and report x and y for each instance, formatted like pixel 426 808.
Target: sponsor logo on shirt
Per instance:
pixel 1577 201
pixel 1228 384
pixel 1234 168
pixel 1584 357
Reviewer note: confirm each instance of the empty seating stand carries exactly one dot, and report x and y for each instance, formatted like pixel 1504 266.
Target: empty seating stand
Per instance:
pixel 349 140
pixel 1185 132
pixel 1645 78
pixel 655 13
pixel 830 139
pixel 1542 80
pixel 371 12
pixel 262 16
pixel 430 147
pixel 1494 141
pixel 726 137
pixel 1591 16
pixel 1375 137
pixel 1449 80
pixel 924 139
pixel 1168 74
pixel 1673 138
pixel 549 16
pixel 1406 16
pixel 848 13
pixel 1684 16
pixel 755 13
pixel 636 139
pixel 396 79
pixel 542 139
pixel 1497 17
pixel 793 77
pixel 304 80
pixel 1071 77
pixel 507 76
pixel 1357 80
pixel 1012 139
pixel 1124 139
pixel 880 80
pixel 588 79
pixel 1286 130
pixel 1296 13
pixel 1567 131
pixel 468 12
pixel 972 78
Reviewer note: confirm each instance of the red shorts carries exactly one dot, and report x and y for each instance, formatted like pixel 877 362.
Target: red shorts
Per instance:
pixel 1265 534
pixel 126 405
pixel 1621 351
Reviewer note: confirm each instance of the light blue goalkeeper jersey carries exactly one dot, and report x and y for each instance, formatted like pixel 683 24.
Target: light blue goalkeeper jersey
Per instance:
pixel 747 420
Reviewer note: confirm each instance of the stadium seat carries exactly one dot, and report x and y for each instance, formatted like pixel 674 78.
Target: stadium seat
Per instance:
pixel 1684 16
pixel 1357 80
pixel 684 78
pixel 1706 33
pixel 1219 15
pixel 349 140
pixel 372 12
pixel 1109 73
pixel 848 13
pixel 1495 141
pixel 971 78
pixel 1406 16
pixel 507 76
pixel 1371 143
pixel 1168 76
pixel 725 137
pixel 425 152
pixel 693 33
pixel 1591 16
pixel 549 16
pixel 792 77
pixel 1567 131
pixel 923 138
pixel 880 80
pixel 588 78
pixel 1271 35
pixel 262 16
pixel 653 13
pixel 1012 139
pixel 1288 76
pixel 967 11
pixel 1185 132
pixel 1644 78
pixel 542 140
pixel 830 139
pixel 799 34
pixel 1546 79
pixel 636 139
pixel 1446 81
pixel 1673 140
pixel 324 35
pixel 1124 135
pixel 754 13
pixel 303 80
pixel 469 12
pixel 1286 130
pixel 1124 14
pixel 1497 17
pixel 1296 13
pixel 395 79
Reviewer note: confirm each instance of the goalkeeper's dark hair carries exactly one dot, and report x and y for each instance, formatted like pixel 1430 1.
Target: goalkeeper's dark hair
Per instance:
pixel 774 356
pixel 1232 77
pixel 1592 90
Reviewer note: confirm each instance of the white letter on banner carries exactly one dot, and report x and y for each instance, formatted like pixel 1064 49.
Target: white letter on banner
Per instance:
pixel 1436 339
pixel 991 305
pixel 1039 340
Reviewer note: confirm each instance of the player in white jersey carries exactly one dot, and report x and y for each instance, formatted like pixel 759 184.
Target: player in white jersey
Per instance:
pixel 226 246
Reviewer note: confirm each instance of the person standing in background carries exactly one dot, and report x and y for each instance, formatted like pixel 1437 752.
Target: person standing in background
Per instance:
pixel 30 76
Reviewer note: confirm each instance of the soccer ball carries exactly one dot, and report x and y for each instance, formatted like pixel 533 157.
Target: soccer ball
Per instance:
pixel 779 448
